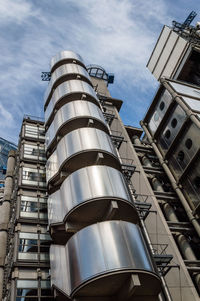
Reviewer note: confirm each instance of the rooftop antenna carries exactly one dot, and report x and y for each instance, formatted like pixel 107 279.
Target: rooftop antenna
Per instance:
pixel 180 26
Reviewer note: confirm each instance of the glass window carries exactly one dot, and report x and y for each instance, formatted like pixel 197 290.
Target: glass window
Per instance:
pixel 34 131
pixel 33 290
pixel 31 207
pixel 33 246
pixel 33 176
pixel 34 152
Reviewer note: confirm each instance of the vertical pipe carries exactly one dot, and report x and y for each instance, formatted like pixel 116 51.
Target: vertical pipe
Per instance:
pixel 5 214
pixel 164 285
pixel 182 198
pixel 136 140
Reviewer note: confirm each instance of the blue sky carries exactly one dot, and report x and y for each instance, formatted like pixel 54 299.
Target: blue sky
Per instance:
pixel 119 35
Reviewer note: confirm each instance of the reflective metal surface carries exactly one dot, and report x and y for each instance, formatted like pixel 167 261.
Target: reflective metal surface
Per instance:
pixel 191 185
pixel 65 55
pixel 186 90
pixel 77 141
pixel 171 128
pixel 167 54
pixel 74 109
pixel 194 104
pixel 186 148
pixel 99 252
pixel 65 69
pixel 52 166
pixel 66 89
pixel 86 194
pixel 159 111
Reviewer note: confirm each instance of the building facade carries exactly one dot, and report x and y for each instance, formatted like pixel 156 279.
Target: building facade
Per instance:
pixel 122 221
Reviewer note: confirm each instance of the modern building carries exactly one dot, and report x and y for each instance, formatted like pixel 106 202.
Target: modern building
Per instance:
pixel 123 202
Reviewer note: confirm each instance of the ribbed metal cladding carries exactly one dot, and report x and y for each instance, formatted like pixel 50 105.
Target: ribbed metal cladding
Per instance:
pixel 72 115
pixel 88 197
pixel 108 248
pixel 68 71
pixel 68 91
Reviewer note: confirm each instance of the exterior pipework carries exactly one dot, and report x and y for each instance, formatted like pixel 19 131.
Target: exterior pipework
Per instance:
pixel 119 251
pixel 86 196
pixel 183 200
pixel 181 239
pixel 65 56
pixel 63 73
pixel 66 92
pixel 73 115
pixel 80 148
pixel 86 169
pixel 5 214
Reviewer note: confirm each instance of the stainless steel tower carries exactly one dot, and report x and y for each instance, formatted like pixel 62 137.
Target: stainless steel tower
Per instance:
pixel 99 250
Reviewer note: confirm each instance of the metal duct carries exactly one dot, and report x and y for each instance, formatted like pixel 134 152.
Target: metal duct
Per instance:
pixel 66 70
pixel 107 255
pixel 86 197
pixel 65 55
pixel 65 119
pixel 80 148
pixel 68 91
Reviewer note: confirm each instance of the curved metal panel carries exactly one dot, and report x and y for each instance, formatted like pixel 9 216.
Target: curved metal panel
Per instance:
pixel 86 194
pixel 59 260
pixel 67 88
pixel 69 111
pixel 52 166
pixel 62 71
pixel 63 55
pixel 103 250
pixel 79 141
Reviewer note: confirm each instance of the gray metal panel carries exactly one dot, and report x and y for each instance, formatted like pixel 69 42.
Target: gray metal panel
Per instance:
pixel 89 183
pixel 74 109
pixel 59 261
pixel 65 89
pixel 159 111
pixel 64 70
pixel 191 185
pixel 163 59
pixel 194 104
pixel 99 249
pixel 65 55
pixel 158 48
pixel 167 54
pixel 182 155
pixel 175 57
pixel 171 128
pixel 80 140
pixel 52 166
pixel 185 89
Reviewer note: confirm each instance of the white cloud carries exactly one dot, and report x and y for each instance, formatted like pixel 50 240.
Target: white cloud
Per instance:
pixel 16 11
pixel 117 34
pixel 6 119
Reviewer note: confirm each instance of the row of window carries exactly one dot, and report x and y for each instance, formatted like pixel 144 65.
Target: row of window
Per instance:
pixel 33 207
pixel 33 176
pixel 33 290
pixel 34 152
pixel 36 132
pixel 33 246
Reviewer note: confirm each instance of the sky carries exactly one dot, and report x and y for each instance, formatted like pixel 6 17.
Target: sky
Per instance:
pixel 119 35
